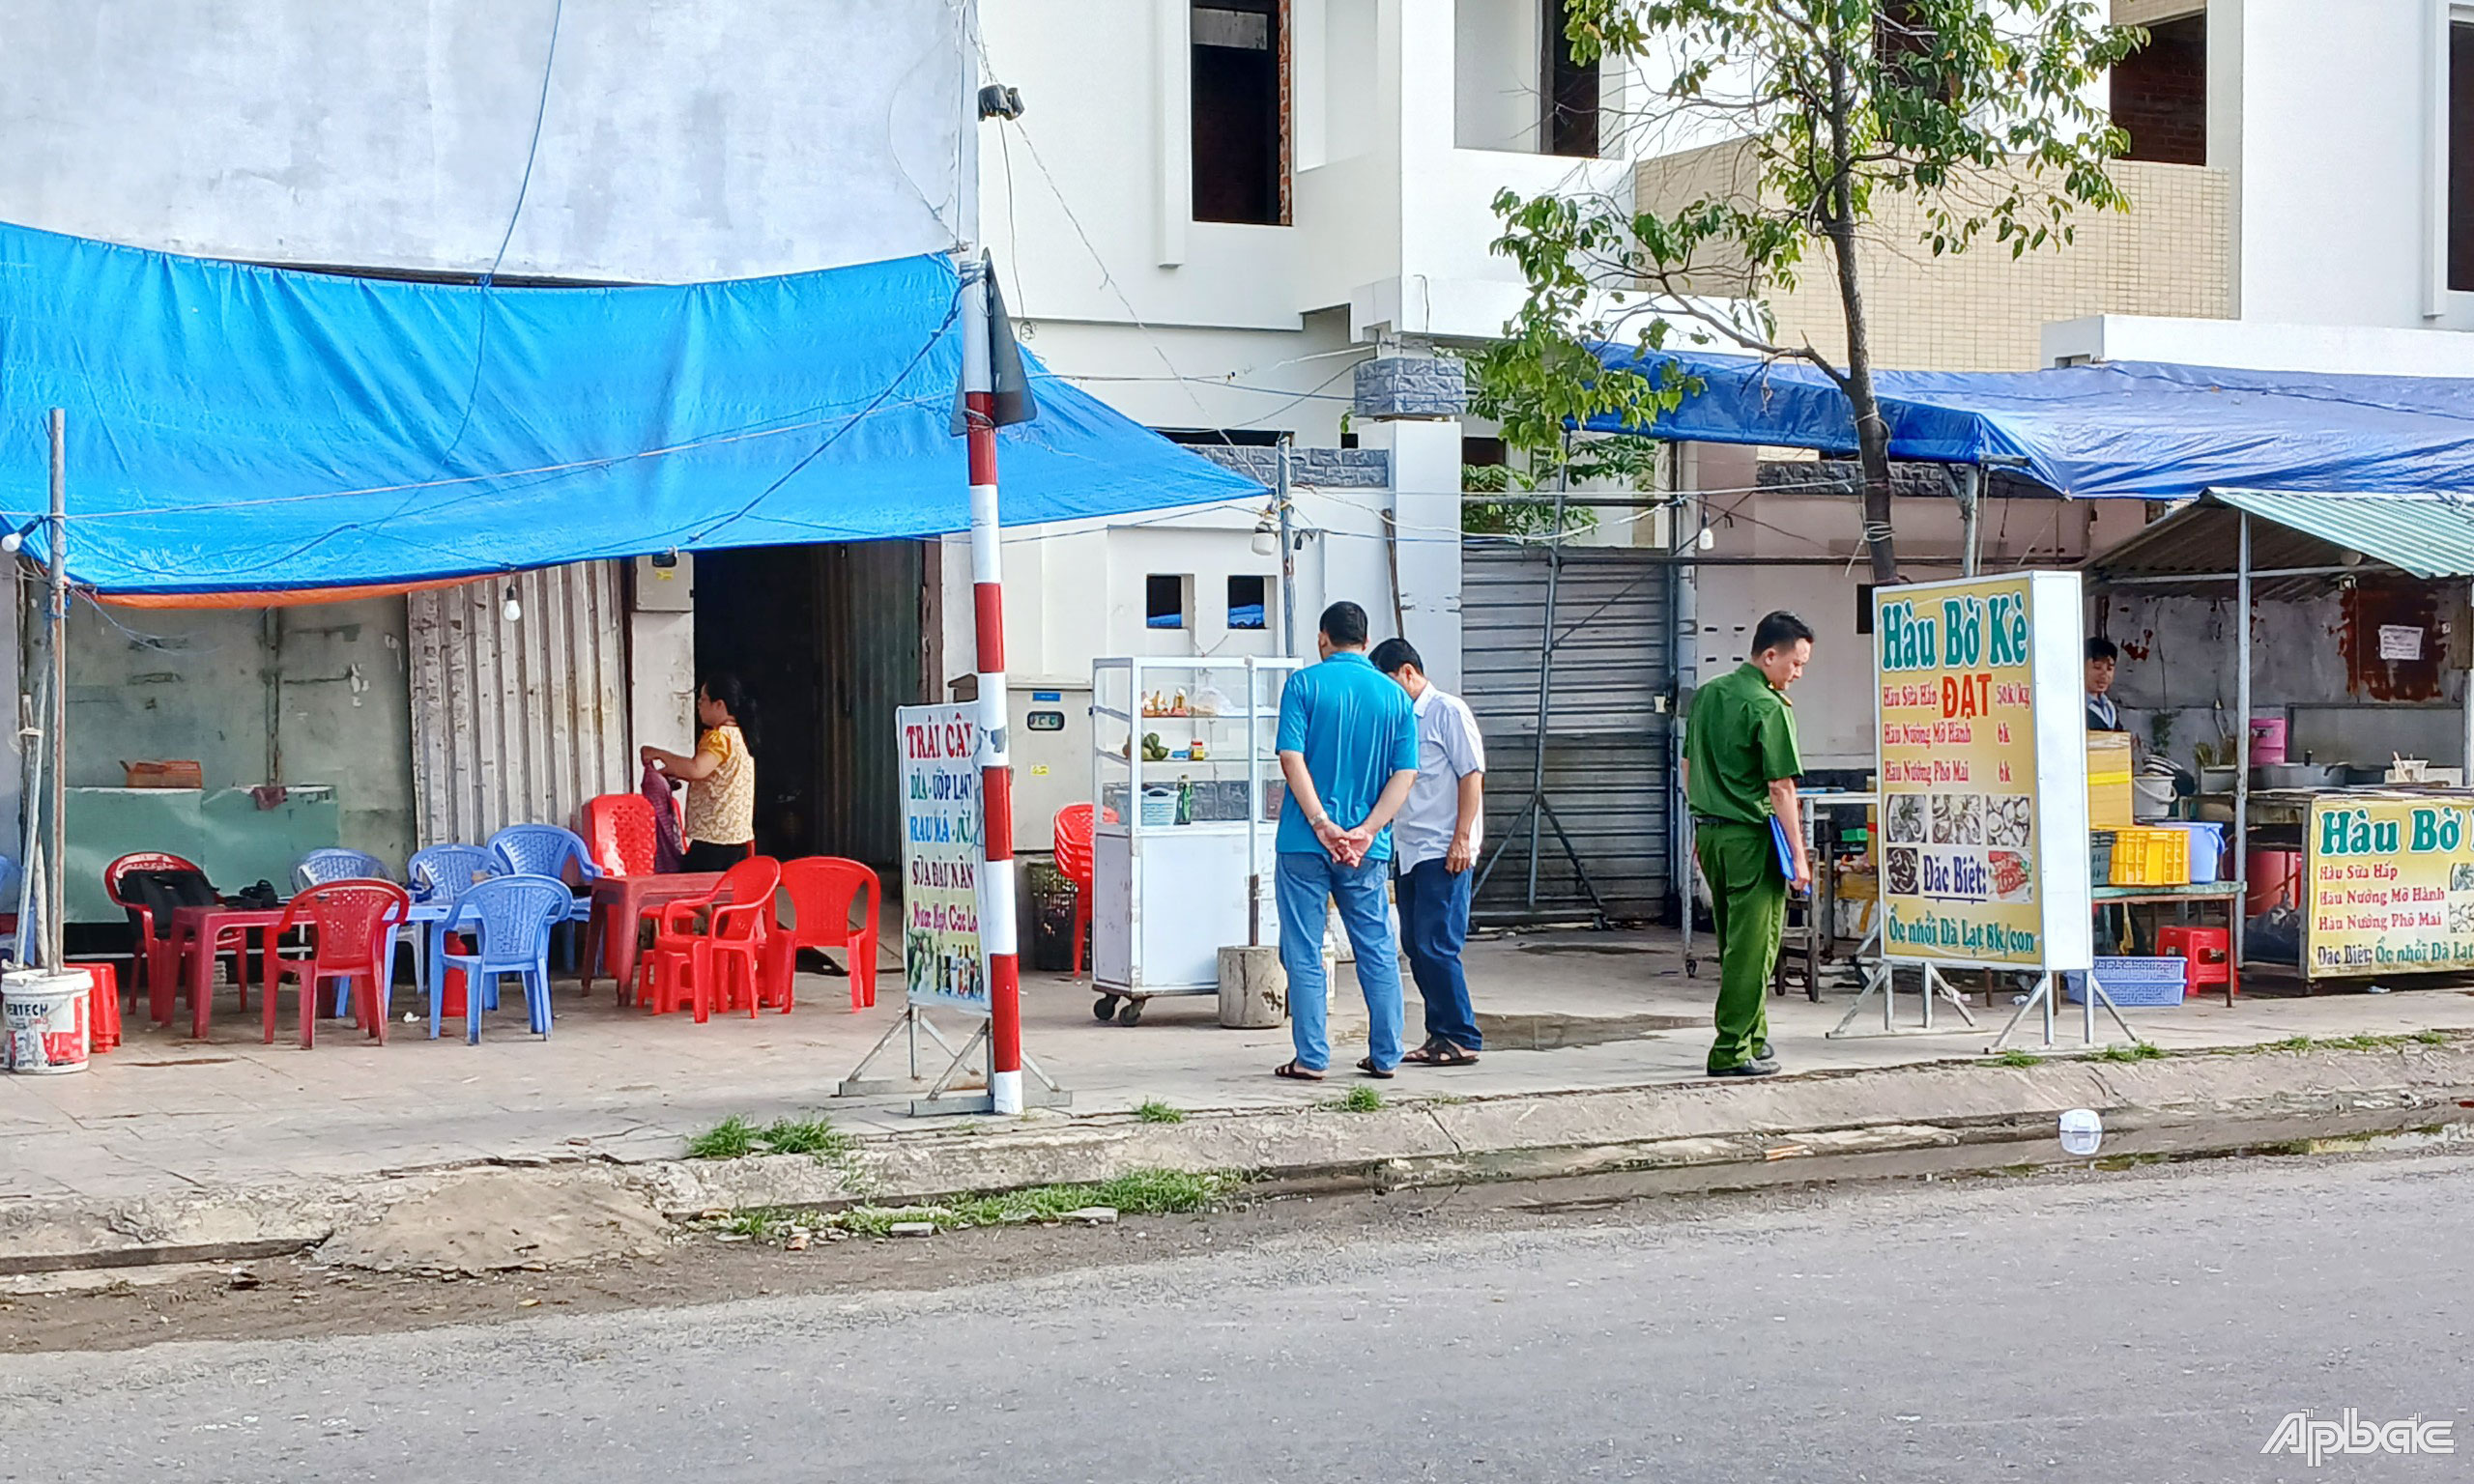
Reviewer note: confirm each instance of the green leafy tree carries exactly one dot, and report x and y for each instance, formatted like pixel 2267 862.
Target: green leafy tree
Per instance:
pixel 1977 110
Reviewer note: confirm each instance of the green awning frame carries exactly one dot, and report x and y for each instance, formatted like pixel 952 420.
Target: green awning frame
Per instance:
pixel 2301 543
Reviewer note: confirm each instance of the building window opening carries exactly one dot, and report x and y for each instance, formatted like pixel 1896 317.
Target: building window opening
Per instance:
pixel 2160 93
pixel 1240 112
pixel 2461 158
pixel 1248 602
pixel 1567 89
pixel 1168 601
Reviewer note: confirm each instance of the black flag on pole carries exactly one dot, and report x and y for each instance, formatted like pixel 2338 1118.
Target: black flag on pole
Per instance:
pixel 1013 384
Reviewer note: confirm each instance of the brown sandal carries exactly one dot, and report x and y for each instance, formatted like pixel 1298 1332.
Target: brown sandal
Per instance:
pixel 1296 1073
pixel 1366 1065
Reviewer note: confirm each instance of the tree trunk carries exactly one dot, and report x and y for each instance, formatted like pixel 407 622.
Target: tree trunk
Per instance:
pixel 1872 434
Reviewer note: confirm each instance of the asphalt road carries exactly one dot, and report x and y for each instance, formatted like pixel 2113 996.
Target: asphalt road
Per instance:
pixel 2148 1326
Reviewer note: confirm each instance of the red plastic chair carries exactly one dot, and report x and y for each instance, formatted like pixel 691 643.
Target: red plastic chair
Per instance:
pixel 352 930
pixel 701 939
pixel 152 967
pixel 619 827
pixel 823 889
pixel 1073 827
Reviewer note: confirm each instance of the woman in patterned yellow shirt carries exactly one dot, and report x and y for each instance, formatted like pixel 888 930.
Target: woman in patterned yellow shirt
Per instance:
pixel 720 779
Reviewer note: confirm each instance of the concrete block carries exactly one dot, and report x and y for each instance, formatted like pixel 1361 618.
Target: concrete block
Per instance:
pixel 1411 386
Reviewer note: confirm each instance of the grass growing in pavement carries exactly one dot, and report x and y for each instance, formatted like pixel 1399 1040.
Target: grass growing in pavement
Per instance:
pixel 736 1138
pixel 2136 1051
pixel 2366 1042
pixel 763 1223
pixel 806 1136
pixel 1154 1111
pixel 733 1138
pixel 2014 1057
pixel 1357 1099
pixel 1136 1194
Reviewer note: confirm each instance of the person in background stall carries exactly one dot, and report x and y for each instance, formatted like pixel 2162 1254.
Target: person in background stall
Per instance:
pixel 2104 656
pixel 720 778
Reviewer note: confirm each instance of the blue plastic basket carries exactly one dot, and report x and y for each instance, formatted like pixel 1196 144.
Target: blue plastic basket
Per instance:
pixel 2150 982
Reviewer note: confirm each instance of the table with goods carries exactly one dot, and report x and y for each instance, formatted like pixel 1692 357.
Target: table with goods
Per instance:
pixel 1187 794
pixel 2151 847
pixel 2350 870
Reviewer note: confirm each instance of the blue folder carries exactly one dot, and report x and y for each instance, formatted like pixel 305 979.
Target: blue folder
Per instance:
pixel 1786 851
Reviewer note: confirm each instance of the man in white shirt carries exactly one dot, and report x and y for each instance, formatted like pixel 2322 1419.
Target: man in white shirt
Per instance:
pixel 1434 841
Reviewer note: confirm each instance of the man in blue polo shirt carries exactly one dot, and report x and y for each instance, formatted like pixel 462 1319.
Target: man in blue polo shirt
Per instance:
pixel 1348 750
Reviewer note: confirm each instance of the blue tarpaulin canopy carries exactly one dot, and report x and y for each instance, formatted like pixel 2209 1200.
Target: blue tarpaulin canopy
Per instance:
pixel 2122 429
pixel 247 430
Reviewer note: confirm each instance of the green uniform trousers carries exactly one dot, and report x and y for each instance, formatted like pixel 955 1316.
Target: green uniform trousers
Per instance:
pixel 1748 906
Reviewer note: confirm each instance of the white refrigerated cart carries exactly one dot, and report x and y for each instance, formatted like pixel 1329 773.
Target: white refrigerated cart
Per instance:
pixel 1181 845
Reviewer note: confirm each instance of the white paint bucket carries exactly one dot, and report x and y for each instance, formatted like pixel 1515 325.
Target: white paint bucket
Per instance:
pixel 43 1020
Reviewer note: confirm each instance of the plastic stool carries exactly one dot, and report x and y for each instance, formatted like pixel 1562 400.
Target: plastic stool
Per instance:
pixel 103 1004
pixel 2207 950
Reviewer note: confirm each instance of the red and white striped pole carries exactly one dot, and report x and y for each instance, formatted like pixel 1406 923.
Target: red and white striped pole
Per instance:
pixel 997 929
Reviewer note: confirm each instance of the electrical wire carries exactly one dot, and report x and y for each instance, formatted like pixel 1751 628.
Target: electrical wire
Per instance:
pixel 523 190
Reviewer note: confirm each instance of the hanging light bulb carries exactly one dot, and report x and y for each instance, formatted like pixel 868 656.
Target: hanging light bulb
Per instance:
pixel 1266 536
pixel 514 608
pixel 1707 539
pixel 14 542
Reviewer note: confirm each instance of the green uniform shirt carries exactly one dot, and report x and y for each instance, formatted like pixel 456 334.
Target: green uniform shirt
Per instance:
pixel 1739 739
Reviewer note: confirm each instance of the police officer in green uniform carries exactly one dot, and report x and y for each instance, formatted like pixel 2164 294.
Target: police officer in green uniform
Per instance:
pixel 1739 773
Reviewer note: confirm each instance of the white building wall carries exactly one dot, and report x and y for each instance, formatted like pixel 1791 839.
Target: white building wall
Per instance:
pixel 679 141
pixel 2325 117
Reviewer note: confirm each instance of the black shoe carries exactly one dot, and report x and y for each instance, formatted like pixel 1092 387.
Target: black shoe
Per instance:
pixel 1746 1070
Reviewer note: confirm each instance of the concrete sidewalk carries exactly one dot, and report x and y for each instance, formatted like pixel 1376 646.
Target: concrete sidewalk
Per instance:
pixel 1570 1015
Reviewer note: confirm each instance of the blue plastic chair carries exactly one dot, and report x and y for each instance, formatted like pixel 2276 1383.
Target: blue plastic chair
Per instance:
pixel 508 919
pixel 321 866
pixel 548 850
pixel 543 850
pixel 449 871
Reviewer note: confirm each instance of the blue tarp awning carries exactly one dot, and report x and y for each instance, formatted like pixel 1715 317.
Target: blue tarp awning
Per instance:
pixel 2122 429
pixel 237 430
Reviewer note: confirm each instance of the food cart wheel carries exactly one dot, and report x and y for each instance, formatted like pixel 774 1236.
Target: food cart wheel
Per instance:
pixel 1105 1008
pixel 1691 966
pixel 1132 1013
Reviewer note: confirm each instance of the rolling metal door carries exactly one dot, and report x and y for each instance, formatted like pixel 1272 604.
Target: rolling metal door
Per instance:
pixel 1607 770
pixel 518 723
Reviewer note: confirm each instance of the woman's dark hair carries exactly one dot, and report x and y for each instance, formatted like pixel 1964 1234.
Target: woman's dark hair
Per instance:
pixel 724 687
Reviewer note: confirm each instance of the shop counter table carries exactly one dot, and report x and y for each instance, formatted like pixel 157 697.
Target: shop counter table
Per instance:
pixel 2186 894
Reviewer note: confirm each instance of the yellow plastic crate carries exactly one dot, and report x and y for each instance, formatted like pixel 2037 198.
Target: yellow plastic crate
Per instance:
pixel 2150 857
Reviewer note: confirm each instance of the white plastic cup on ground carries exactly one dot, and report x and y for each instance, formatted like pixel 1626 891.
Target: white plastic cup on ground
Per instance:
pixel 2082 1131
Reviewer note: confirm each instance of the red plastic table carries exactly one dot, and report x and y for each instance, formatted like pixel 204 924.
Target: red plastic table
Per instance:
pixel 199 933
pixel 618 904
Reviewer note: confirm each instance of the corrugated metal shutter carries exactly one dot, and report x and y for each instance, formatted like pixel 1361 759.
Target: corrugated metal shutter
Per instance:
pixel 518 723
pixel 868 602
pixel 1607 775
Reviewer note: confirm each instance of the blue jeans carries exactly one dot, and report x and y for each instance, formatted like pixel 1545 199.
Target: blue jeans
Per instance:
pixel 1434 923
pixel 1304 882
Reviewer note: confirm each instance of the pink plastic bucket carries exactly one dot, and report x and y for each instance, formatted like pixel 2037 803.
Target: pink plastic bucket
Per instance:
pixel 2267 740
